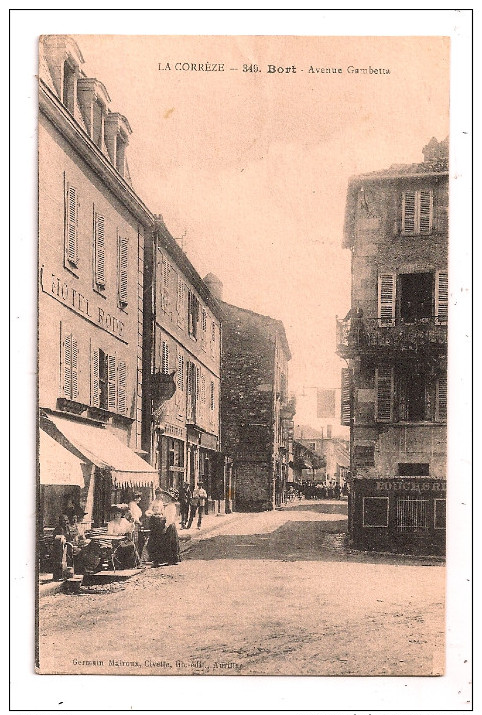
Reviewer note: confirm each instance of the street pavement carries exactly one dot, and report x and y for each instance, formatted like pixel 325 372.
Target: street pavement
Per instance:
pixel 276 593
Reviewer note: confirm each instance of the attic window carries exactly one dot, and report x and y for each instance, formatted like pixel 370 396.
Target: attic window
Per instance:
pixel 68 87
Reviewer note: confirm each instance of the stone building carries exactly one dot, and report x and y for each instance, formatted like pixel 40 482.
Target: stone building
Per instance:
pixel 92 229
pixel 182 342
pixel 394 339
pixel 256 411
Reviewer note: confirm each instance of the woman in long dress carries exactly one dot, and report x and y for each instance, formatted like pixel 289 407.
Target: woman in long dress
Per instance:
pixel 163 545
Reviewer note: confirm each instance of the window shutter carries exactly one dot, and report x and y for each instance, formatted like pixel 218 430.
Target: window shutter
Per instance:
pixel 72 247
pixel 123 243
pixel 75 357
pixel 203 389
pixel 386 299
pixel 164 357
pixel 198 382
pixel 408 211
pixel 111 382
pixel 212 395
pixel 67 367
pixel 442 398
pixel 122 387
pixel 425 216
pixel 345 396
pixel 164 284
pixel 384 391
pixel 441 297
pixel 99 251
pixel 180 371
pixel 95 382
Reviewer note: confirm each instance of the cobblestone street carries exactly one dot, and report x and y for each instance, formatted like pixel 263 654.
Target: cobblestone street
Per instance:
pixel 275 593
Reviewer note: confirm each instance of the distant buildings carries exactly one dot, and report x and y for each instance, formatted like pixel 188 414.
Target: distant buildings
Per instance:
pixel 334 452
pixel 256 410
pixel 395 342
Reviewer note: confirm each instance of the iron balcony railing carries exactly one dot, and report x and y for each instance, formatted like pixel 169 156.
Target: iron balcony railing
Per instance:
pixel 357 335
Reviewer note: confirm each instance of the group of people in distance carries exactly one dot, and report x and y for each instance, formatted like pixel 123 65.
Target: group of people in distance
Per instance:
pixel 157 525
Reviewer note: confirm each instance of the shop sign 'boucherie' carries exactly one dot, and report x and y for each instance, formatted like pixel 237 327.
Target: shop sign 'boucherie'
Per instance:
pixel 74 300
pixel 411 486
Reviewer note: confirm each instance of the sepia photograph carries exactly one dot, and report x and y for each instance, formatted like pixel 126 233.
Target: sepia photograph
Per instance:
pixel 244 297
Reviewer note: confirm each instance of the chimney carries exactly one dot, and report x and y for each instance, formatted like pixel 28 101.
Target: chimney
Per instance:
pixel 214 285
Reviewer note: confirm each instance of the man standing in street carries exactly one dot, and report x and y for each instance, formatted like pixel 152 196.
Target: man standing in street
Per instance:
pixel 198 502
pixel 185 495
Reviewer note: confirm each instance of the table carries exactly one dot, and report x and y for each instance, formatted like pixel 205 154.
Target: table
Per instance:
pixel 112 542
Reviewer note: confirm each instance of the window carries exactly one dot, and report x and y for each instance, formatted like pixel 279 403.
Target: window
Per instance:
pixel 416 290
pixel 204 326
pixel 414 396
pixel 180 372
pixel 181 303
pixel 193 314
pixel 122 274
pixel 68 87
pixel 164 357
pixel 108 382
pixel 386 299
pixel 441 297
pixel 71 227
pixel 345 396
pixel 70 360
pixel 417 210
pixel 99 252
pixel 365 456
pixel 213 338
pixel 413 469
pixel 375 512
pixel 441 411
pixel 384 393
pixel 412 514
pixel 164 285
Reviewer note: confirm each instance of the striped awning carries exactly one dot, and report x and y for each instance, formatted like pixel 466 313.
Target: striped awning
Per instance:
pixel 101 447
pixel 58 466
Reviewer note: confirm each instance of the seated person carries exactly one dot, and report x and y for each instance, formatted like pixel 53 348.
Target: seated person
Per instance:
pixel 125 555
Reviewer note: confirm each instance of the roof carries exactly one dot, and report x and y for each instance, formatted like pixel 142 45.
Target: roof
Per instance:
pixel 434 168
pixel 171 246
pixel 273 326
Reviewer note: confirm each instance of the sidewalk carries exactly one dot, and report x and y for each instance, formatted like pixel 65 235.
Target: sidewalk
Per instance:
pixel 210 524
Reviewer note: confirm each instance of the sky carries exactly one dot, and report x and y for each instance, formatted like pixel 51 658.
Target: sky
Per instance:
pixel 250 169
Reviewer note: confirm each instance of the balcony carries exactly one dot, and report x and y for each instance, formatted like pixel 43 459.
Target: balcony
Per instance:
pixel 361 336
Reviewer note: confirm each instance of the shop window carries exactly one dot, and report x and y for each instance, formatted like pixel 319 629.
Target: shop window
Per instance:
pixel 364 456
pixel 375 512
pixel 412 514
pixel 416 290
pixel 417 212
pixel 413 469
pixel 439 513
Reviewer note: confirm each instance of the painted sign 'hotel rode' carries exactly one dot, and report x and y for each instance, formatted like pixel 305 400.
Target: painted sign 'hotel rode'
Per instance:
pixel 92 229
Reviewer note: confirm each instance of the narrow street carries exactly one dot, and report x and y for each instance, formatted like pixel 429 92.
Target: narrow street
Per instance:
pixel 274 593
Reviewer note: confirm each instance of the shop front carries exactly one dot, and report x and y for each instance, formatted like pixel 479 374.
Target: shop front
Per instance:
pixel 106 471
pixel 405 515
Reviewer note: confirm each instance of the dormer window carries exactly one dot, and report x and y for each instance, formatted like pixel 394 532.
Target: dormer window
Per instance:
pixel 68 87
pixel 93 100
pixel 117 131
